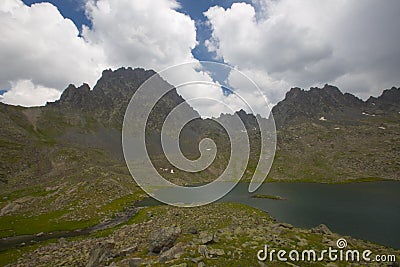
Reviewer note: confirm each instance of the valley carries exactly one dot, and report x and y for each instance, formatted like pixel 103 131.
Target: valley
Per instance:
pixel 62 169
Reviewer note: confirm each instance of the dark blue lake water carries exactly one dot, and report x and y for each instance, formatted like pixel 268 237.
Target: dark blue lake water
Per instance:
pixel 368 210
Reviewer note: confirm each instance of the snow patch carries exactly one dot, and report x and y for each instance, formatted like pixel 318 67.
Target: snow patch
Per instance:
pixel 366 114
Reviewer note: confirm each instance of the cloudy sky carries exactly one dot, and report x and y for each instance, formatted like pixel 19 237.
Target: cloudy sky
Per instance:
pixel 46 45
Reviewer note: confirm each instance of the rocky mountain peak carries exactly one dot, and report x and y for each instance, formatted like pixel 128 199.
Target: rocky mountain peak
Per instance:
pixel 315 103
pixel 389 100
pixel 331 89
pixel 112 89
pixel 115 88
pixel 110 96
pixel 76 96
pixel 293 93
pixel 121 82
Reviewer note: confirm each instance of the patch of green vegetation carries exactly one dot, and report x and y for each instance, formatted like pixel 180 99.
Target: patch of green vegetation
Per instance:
pixel 325 181
pixel 53 221
pixel 362 180
pixel 268 197
pixel 119 203
pixel 21 225
pixel 141 216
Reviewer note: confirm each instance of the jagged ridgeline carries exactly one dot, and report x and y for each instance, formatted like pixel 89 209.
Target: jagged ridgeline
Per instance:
pixel 84 127
pixel 323 135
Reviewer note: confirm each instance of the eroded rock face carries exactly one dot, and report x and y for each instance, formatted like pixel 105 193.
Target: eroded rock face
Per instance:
pixel 163 239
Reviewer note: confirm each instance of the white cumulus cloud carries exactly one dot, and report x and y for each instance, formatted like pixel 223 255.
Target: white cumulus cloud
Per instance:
pixel 149 34
pixel 39 45
pixel 25 93
pixel 279 44
pixel 285 43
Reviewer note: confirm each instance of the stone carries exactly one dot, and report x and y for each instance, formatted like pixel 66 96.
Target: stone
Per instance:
pixel 198 259
pixel 128 251
pixel 173 253
pixel 321 229
pixel 100 253
pixel 10 208
pixel 301 241
pixel 285 225
pixel 135 262
pixel 192 230
pixel 206 237
pixel 62 241
pixel 163 238
pixel 203 251
pixel 201 264
pixel 216 252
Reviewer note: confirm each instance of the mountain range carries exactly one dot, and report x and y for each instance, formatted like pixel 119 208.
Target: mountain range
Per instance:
pixel 323 134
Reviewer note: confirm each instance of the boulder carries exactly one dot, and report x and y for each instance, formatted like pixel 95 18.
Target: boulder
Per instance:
pixel 197 260
pixel 203 251
pixel 192 230
pixel 163 239
pixel 173 253
pixel 285 225
pixel 216 252
pixel 206 237
pixel 128 251
pixel 100 253
pixel 321 229
pixel 135 262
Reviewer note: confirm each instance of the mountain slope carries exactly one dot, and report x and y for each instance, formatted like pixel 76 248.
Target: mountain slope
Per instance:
pixel 323 131
pixel 325 135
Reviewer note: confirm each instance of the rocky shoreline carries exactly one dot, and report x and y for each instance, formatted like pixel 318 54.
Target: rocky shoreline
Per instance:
pixel 219 234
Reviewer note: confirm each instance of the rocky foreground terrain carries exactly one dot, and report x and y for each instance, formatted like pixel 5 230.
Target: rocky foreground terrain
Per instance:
pixel 212 235
pixel 62 169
